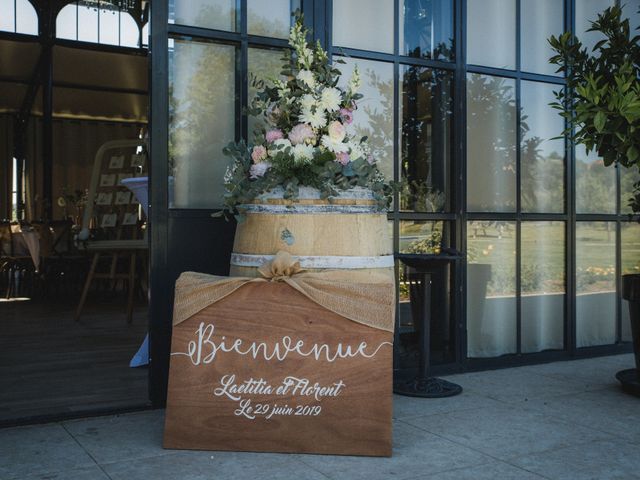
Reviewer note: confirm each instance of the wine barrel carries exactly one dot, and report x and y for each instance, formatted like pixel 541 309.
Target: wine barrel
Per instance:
pixel 347 232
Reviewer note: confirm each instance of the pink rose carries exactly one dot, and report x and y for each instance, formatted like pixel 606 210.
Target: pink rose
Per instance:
pixel 258 169
pixel 301 133
pixel 258 154
pixel 342 158
pixel 273 135
pixel 346 114
pixel 337 131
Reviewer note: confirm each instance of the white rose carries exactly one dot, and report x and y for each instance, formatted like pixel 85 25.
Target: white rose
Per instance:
pixel 337 131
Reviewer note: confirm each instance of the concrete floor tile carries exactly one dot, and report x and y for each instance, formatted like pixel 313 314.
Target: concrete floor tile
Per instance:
pixel 611 411
pixel 120 437
pixel 591 374
pixel 39 449
pixel 406 407
pixel 603 460
pixel 514 385
pixel 90 473
pixel 191 465
pixel 506 431
pixel 492 471
pixel 414 453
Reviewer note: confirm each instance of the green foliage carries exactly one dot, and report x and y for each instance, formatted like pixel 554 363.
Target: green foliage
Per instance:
pixel 602 99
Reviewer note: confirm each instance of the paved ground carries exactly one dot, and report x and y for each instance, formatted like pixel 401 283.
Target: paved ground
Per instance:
pixel 563 420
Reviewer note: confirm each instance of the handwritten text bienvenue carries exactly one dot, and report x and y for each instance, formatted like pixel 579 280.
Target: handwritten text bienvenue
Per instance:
pixel 204 349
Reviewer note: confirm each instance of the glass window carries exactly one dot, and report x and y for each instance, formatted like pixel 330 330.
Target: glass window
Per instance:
pixel 364 24
pixel 595 183
pixel 539 19
pixel 109 27
pixel 424 236
pixel 87 24
pixel 541 157
pixel 425 149
pixel 595 283
pixel 374 114
pixel 26 18
pixel 491 289
pixel 630 236
pixel 202 120
pixel 8 18
pixel 628 178
pixel 263 64
pixel 542 285
pixel 491 144
pixel 586 12
pixel 129 32
pixel 631 10
pixel 66 22
pixel 426 29
pixel 491 33
pixel 270 19
pixel 216 14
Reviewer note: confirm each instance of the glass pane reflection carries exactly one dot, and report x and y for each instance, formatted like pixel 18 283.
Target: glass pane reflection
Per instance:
pixel 374 115
pixel 491 33
pixel 216 14
pixel 364 24
pixel 263 64
pixel 425 237
pixel 586 12
pixel 426 29
pixel 202 119
pixel 595 283
pixel 491 144
pixel 542 283
pixel 539 19
pixel 630 237
pixel 594 183
pixel 270 19
pixel 541 157
pixel 491 287
pixel 426 114
pixel 628 178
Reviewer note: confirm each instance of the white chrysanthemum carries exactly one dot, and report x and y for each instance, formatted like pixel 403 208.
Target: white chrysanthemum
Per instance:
pixel 307 102
pixel 356 151
pixel 307 77
pixel 279 145
pixel 334 146
pixel 315 119
pixel 303 153
pixel 330 99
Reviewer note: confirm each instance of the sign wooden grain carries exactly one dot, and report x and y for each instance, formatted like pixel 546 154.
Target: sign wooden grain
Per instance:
pixel 267 369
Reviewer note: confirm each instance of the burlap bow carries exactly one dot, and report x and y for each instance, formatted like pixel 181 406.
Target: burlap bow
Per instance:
pixel 282 266
pixel 361 296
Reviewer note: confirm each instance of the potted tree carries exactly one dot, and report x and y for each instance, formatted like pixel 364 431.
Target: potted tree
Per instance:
pixel 602 107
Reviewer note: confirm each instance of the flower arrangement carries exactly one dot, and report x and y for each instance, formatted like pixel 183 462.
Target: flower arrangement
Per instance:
pixel 304 141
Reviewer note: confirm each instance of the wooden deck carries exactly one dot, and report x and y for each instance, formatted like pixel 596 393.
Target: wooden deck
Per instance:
pixel 51 365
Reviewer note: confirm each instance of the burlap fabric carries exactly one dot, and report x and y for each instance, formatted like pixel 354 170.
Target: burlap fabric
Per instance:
pixel 362 297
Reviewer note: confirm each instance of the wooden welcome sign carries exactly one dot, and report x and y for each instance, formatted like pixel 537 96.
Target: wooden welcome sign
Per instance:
pixel 266 369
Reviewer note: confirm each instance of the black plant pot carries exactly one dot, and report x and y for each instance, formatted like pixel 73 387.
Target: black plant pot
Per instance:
pixel 630 379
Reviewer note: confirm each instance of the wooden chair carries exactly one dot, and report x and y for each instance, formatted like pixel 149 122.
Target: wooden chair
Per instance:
pixel 114 239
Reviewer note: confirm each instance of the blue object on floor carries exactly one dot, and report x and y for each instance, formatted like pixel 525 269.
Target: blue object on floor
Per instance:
pixel 141 358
